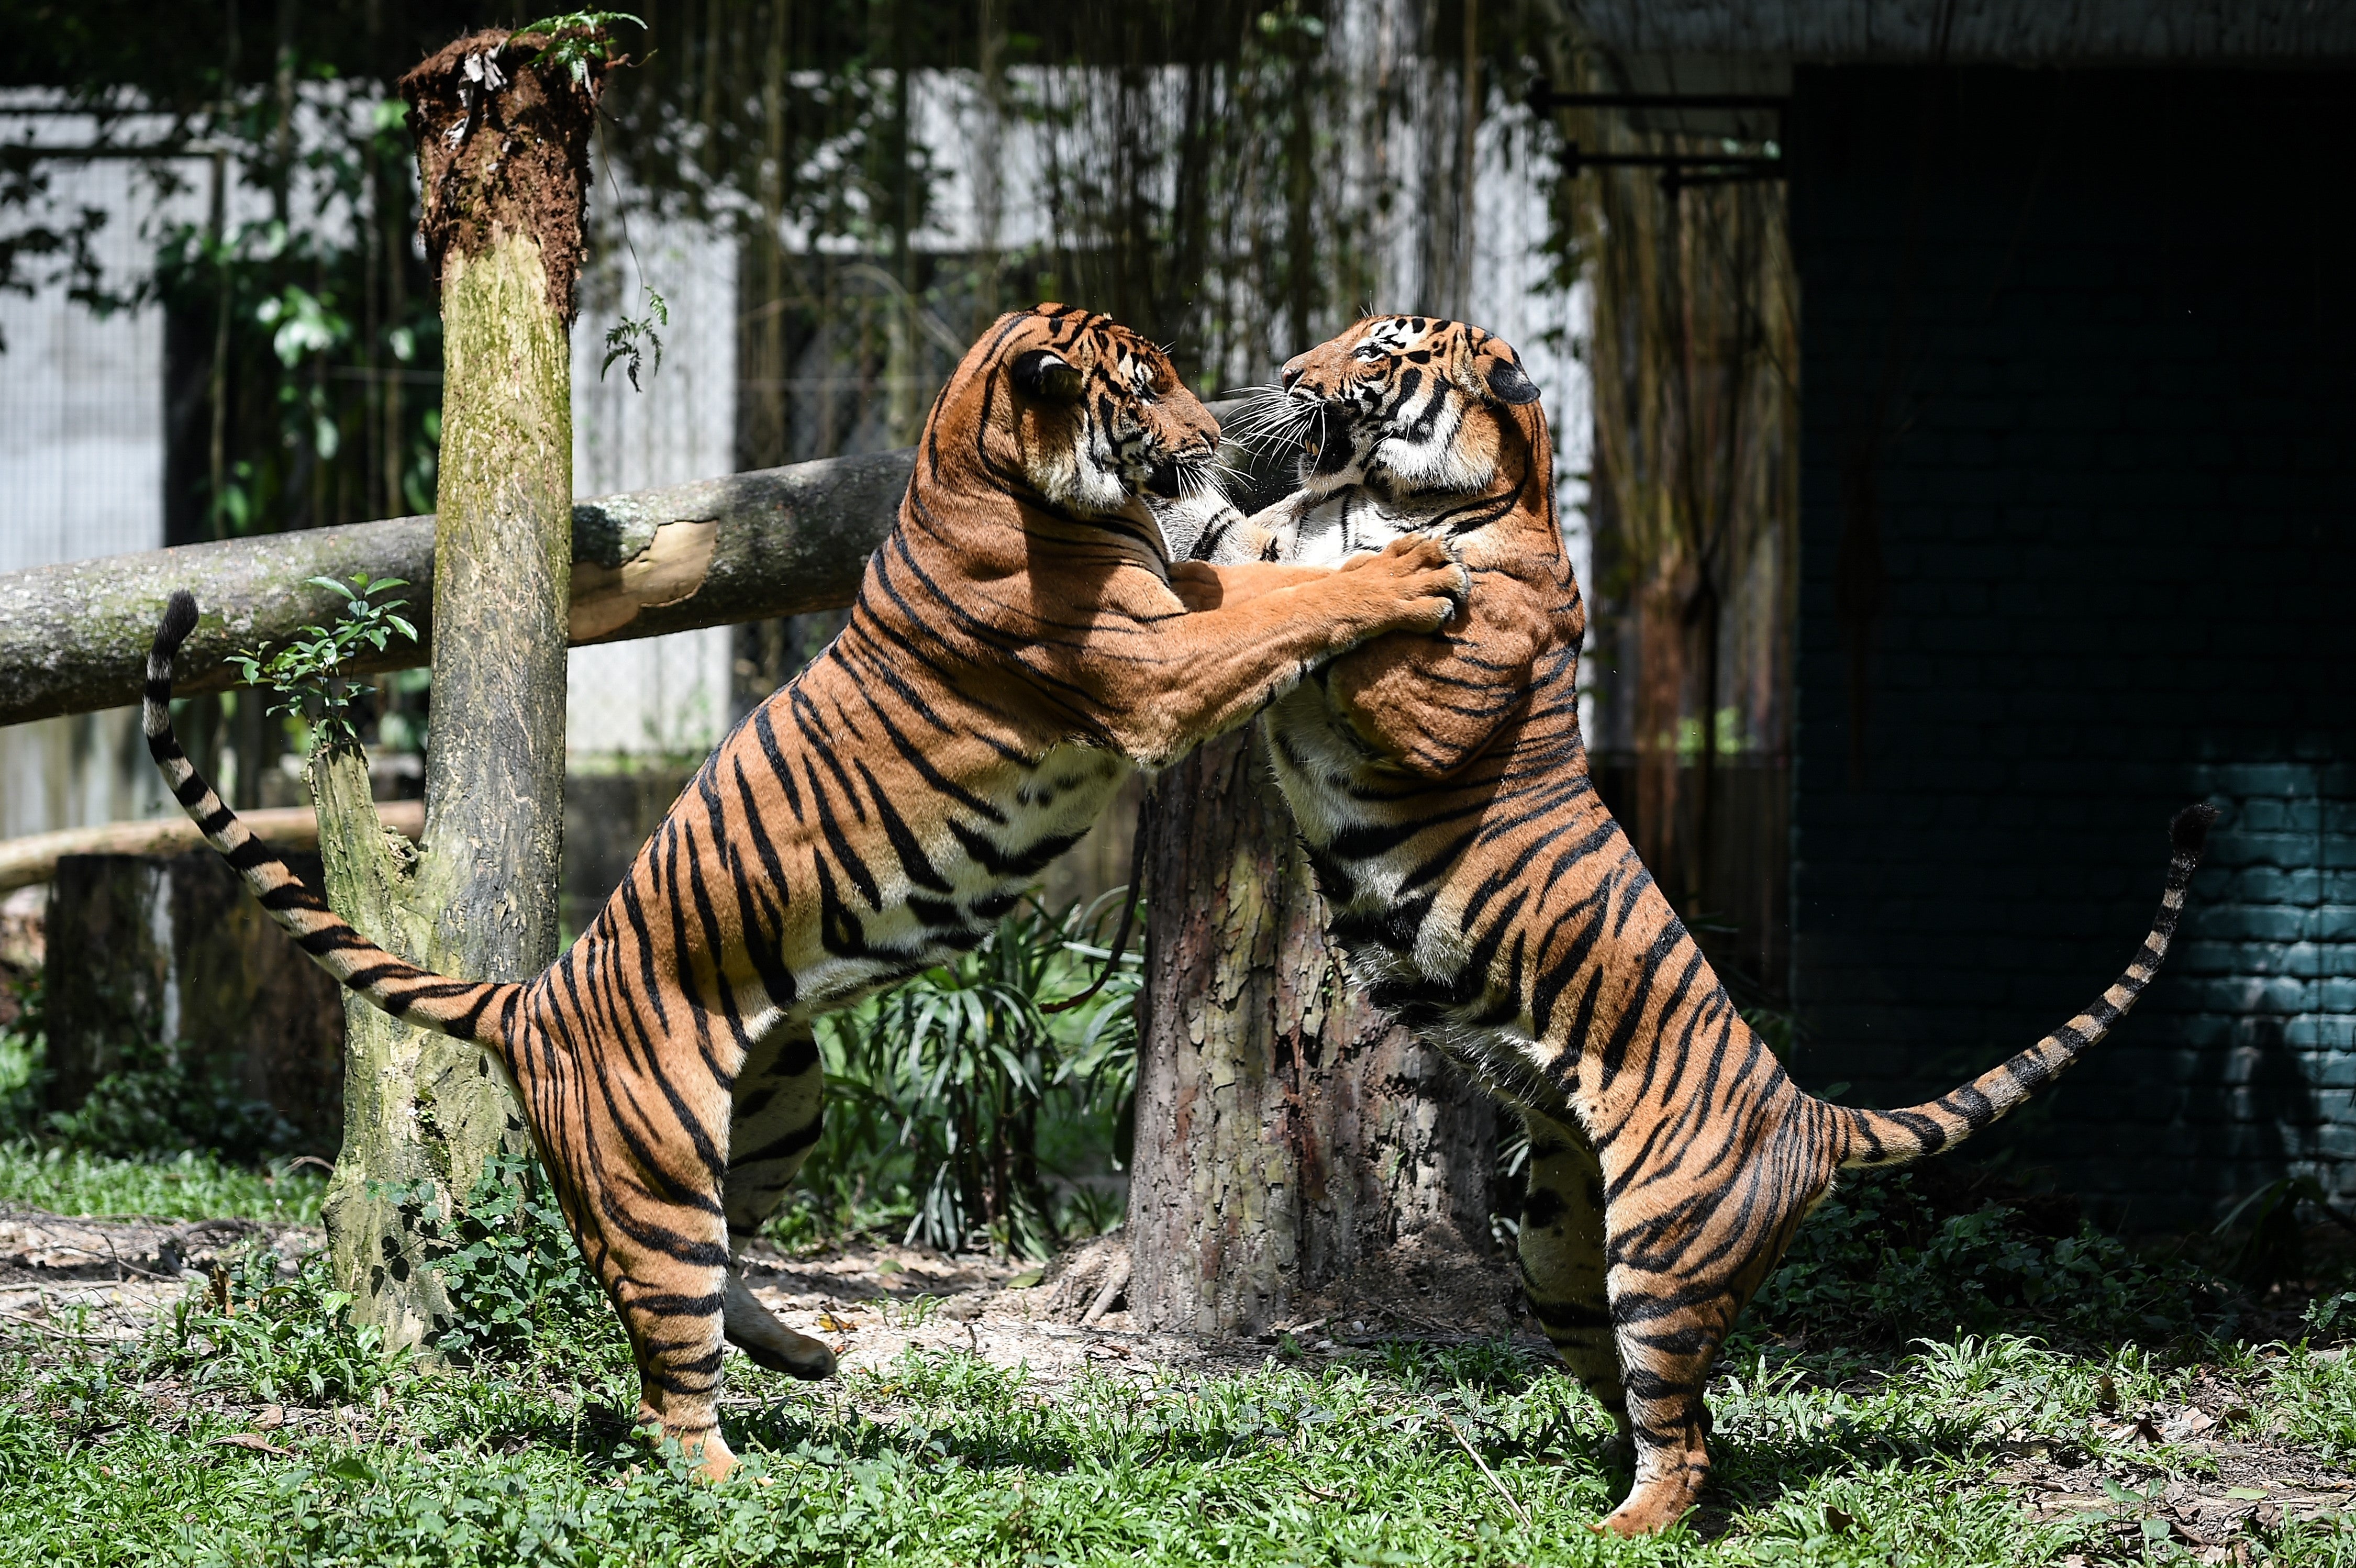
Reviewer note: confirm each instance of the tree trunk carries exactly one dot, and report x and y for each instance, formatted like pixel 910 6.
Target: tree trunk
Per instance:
pixel 503 150
pixel 1296 1153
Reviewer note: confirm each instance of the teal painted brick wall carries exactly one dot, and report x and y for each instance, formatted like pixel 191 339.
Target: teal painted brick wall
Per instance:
pixel 2080 366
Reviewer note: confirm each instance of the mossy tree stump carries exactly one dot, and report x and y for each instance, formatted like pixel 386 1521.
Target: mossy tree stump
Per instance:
pixel 503 147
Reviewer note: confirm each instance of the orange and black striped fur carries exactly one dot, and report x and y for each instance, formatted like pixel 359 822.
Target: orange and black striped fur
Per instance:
pixel 1485 896
pixel 1016 649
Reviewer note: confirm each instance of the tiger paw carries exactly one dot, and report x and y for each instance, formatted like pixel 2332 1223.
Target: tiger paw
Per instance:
pixel 1417 584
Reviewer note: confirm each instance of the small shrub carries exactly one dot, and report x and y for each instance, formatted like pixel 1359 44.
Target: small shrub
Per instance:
pixel 24 1061
pixel 156 1100
pixel 957 1105
pixel 517 1284
pixel 1877 1264
pixel 281 1330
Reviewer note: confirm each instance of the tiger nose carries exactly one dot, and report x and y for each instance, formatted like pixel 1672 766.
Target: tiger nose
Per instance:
pixel 1292 372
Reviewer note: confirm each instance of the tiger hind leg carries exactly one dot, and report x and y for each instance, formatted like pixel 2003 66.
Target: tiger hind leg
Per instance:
pixel 1562 1262
pixel 777 1113
pixel 627 1160
pixel 1679 1279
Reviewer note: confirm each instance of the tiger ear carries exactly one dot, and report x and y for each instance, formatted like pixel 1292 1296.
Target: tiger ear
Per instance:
pixel 1510 384
pixel 1047 377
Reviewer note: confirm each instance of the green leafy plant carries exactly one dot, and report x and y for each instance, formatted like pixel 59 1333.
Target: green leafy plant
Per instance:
pixel 304 676
pixel 516 1283
pixel 578 40
pixel 278 1327
pixel 1877 1264
pixel 633 336
pixel 157 1099
pixel 958 1105
pixel 24 1061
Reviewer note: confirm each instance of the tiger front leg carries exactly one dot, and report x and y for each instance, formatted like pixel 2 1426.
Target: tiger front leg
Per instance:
pixel 778 1114
pixel 1202 586
pixel 1211 670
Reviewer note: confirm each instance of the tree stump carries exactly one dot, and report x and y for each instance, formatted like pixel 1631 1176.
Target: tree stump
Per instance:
pixel 167 960
pixel 1296 1152
pixel 503 159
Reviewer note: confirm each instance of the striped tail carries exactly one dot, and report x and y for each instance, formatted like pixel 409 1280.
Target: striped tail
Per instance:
pixel 1895 1137
pixel 466 1010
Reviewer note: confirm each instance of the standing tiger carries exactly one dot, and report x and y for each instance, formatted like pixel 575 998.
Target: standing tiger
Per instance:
pixel 1015 650
pixel 1487 898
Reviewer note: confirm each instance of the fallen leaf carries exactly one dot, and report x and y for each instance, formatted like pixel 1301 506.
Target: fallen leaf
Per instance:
pixel 255 1442
pixel 2246 1494
pixel 2188 1424
pixel 272 1418
pixel 2147 1429
pixel 1838 1521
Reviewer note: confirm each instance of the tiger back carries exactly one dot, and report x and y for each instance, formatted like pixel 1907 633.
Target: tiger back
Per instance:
pixel 1016 649
pixel 1487 898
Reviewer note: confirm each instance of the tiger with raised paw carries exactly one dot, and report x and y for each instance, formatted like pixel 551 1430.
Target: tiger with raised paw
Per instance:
pixel 1486 898
pixel 1017 647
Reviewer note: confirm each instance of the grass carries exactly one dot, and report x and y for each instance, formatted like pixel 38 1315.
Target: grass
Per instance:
pixel 116 1457
pixel 192 1185
pixel 1860 1446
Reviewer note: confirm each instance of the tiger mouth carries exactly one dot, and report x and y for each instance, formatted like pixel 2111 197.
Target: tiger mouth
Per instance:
pixel 1325 436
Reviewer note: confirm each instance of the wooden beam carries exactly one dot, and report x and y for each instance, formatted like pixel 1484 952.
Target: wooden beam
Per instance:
pixel 74 637
pixel 27 861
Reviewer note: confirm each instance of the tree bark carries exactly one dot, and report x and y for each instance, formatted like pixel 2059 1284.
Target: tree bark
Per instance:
pixel 503 153
pixel 1296 1152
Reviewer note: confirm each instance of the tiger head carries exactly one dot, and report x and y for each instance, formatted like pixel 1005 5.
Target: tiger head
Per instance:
pixel 1406 405
pixel 1083 414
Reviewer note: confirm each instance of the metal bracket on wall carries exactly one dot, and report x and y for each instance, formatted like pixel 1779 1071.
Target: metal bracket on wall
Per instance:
pixel 1677 170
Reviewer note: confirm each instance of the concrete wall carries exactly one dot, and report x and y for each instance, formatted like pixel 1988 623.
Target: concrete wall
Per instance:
pixel 2079 373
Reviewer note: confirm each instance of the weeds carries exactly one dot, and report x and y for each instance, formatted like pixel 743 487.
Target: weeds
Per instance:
pixel 1877 1266
pixel 515 1278
pixel 156 1100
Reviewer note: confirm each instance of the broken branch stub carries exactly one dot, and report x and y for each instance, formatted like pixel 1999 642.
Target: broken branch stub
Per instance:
pixel 504 149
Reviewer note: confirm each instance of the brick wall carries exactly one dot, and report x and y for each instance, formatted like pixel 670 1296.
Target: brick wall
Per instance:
pixel 2079 506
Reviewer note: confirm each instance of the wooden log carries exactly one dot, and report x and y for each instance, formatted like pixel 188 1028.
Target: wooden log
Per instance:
pixel 73 636
pixel 776 541
pixel 27 861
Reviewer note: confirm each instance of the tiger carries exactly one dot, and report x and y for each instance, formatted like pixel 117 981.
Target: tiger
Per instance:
pixel 1017 647
pixel 1483 895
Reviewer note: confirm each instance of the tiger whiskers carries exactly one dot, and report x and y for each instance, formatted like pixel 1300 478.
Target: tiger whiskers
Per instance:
pixel 1271 420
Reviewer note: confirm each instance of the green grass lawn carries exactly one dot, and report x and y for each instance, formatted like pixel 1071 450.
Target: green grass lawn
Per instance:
pixel 193 1184
pixel 1366 1454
